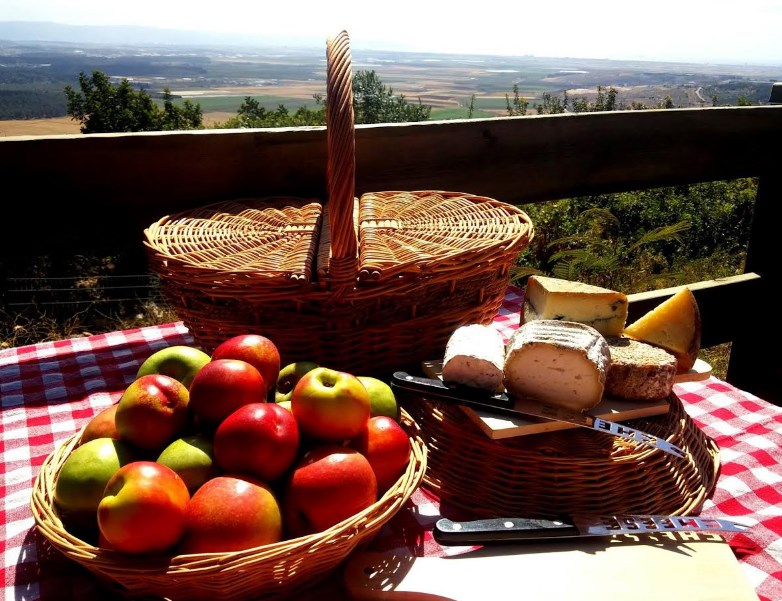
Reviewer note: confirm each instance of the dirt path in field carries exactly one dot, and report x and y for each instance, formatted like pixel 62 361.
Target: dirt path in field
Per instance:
pixel 65 125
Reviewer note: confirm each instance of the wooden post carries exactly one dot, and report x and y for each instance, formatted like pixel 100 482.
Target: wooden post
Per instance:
pixel 754 361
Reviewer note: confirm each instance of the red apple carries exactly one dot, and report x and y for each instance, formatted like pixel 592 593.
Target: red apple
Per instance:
pixel 259 439
pixel 387 447
pixel 222 386
pixel 257 350
pixel 328 485
pixel 102 425
pixel 143 508
pixel 152 411
pixel 231 513
pixel 330 405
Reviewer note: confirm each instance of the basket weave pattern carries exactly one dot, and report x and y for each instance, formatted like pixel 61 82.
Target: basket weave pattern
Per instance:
pixel 268 572
pixel 371 285
pixel 568 472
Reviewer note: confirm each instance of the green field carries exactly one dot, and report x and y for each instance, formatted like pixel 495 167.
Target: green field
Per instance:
pixel 230 104
pixel 457 113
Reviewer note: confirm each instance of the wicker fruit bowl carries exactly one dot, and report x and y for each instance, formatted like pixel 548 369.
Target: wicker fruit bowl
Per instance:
pixel 273 571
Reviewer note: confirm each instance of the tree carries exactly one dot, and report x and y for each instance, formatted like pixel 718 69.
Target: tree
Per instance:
pixel 102 107
pixel 252 114
pixel 373 102
pixel 606 100
pixel 552 105
pixel 188 116
pixel 471 109
pixel 520 104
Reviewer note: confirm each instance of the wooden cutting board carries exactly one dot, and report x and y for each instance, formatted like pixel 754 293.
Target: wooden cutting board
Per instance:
pixel 691 567
pixel 498 426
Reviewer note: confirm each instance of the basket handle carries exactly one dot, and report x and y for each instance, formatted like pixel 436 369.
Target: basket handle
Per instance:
pixel 341 172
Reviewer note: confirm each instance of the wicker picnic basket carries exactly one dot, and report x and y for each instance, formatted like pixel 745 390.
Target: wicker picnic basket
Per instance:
pixel 366 285
pixel 275 571
pixel 564 473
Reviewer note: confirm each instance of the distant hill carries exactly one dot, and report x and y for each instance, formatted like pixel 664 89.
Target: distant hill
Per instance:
pixel 41 31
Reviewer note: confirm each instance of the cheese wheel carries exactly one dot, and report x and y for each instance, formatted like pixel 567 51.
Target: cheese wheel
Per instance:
pixel 474 356
pixel 559 362
pixel 639 371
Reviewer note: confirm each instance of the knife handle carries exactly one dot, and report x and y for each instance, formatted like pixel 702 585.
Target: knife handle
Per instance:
pixel 458 393
pixel 500 530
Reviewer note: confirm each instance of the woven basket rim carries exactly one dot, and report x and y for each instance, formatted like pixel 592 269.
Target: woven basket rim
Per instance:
pixel 523 471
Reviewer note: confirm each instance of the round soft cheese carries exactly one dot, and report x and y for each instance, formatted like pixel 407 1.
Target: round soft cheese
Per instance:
pixel 559 362
pixel 474 356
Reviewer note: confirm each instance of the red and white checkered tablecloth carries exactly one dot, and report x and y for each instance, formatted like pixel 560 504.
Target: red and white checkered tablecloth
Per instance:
pixel 50 390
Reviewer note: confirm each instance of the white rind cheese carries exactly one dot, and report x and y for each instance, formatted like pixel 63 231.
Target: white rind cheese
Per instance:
pixel 560 362
pixel 554 298
pixel 474 356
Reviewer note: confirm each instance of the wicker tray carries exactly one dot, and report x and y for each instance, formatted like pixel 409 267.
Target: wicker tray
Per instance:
pixel 268 572
pixel 372 284
pixel 567 472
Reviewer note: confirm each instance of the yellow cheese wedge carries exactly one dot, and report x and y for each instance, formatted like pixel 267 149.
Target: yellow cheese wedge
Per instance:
pixel 674 325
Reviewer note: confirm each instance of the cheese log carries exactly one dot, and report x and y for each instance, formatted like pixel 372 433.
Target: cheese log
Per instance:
pixel 560 362
pixel 639 371
pixel 474 356
pixel 554 298
pixel 675 325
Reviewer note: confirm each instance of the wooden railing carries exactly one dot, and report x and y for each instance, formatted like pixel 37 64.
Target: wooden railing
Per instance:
pixel 100 191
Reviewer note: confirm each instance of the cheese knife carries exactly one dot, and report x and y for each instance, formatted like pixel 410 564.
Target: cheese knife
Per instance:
pixel 512 530
pixel 504 404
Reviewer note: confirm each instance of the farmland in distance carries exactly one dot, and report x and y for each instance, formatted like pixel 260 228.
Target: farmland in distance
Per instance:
pixel 220 77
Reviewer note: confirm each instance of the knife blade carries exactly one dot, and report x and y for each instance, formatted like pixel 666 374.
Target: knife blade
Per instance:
pixel 504 404
pixel 510 530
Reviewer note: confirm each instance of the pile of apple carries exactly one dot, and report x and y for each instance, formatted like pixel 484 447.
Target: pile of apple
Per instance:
pixel 228 452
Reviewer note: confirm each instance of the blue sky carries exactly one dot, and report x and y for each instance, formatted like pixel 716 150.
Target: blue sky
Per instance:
pixel 712 31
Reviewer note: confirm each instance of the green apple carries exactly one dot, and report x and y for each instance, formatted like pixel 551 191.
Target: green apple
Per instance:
pixel 192 457
pixel 84 475
pixel 180 362
pixel 289 377
pixel 381 398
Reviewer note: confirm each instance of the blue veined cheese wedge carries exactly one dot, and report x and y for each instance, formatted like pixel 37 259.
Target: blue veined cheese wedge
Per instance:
pixel 564 363
pixel 564 300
